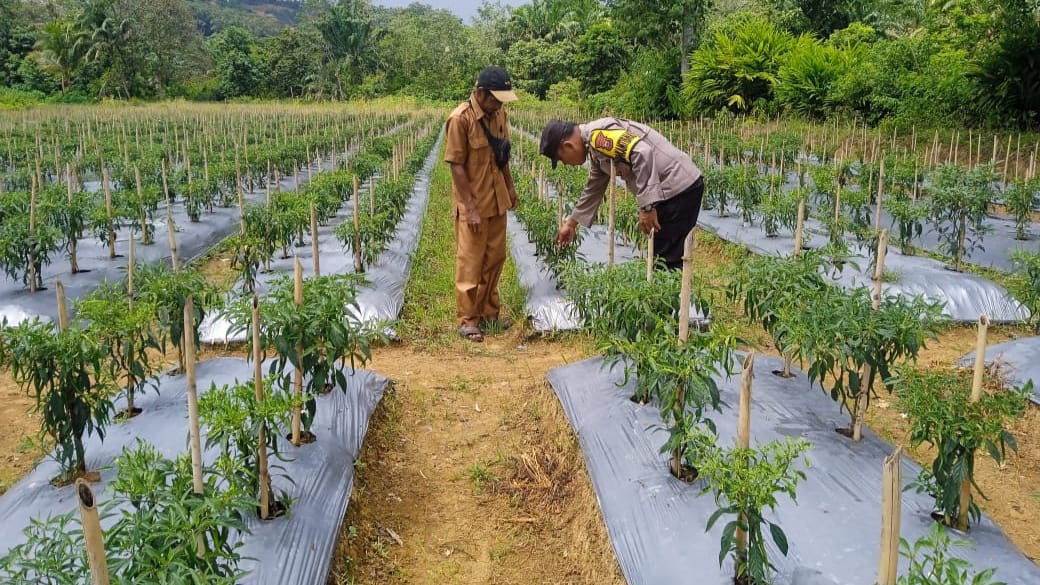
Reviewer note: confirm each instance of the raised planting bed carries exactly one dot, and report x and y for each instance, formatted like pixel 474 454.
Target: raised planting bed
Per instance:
pixel 1017 361
pixel 317 477
pixel 657 522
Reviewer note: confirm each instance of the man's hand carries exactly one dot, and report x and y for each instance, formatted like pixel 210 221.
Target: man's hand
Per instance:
pixel 473 218
pixel 512 198
pixel 648 221
pixel 567 232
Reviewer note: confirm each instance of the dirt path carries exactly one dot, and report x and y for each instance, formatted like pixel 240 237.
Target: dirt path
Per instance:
pixel 470 474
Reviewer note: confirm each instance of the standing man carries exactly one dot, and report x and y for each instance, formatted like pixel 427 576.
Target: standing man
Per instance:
pixel 666 183
pixel 477 149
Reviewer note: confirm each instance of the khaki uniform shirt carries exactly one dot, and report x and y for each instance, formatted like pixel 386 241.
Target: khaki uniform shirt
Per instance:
pixel 652 168
pixel 467 145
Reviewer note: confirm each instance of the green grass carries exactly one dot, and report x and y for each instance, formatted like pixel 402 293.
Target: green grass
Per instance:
pixel 429 300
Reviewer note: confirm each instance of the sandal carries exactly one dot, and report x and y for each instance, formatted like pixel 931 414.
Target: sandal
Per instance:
pixel 470 333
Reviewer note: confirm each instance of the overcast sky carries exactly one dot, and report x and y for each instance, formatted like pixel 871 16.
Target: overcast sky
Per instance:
pixel 466 9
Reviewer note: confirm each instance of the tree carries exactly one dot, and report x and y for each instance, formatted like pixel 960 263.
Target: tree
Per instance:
pixel 290 62
pixel 348 42
pixel 538 64
pixel 666 25
pixel 58 53
pixel 239 70
pixel 601 56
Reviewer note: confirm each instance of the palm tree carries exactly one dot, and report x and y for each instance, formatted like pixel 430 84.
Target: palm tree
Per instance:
pixel 58 51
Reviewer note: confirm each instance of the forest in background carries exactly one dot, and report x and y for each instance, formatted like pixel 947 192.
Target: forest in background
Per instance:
pixel 897 62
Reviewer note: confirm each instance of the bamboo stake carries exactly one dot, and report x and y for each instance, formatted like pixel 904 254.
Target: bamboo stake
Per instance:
pixel 73 240
pixel 33 276
pixel 358 266
pixel 799 229
pixel 650 257
pixel 559 204
pixel 108 212
pixel 880 194
pixel 1007 159
pixel 258 381
pixel 744 435
pixel 685 294
pixel 610 215
pixel 891 516
pixel 863 399
pixel 372 196
pixel 93 537
pixel 63 306
pixel 314 241
pixel 298 370
pixel 976 394
pixel 241 195
pixel 194 437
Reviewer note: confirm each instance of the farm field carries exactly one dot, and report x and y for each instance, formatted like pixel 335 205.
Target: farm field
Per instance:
pixel 470 471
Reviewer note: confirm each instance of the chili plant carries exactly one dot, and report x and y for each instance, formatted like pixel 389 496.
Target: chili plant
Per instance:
pixel 780 210
pixel 938 404
pixel 68 373
pixel 908 217
pixel 124 330
pixel 154 522
pixel 70 214
pixel 26 249
pixel 842 337
pixel 1024 284
pixel 746 483
pixel 681 376
pixel 958 207
pixel 167 291
pixel 1020 200
pixel 232 417
pixel 748 188
pixel 930 562
pixel 327 327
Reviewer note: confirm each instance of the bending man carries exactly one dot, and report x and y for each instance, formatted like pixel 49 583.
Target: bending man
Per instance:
pixel 667 185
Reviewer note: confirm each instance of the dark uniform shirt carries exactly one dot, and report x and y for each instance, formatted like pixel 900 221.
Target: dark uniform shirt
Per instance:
pixel 652 168
pixel 467 145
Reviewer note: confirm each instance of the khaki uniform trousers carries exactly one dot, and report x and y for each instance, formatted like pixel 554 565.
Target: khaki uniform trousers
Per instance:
pixel 479 258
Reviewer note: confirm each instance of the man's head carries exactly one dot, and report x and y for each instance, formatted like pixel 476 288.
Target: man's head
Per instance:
pixel 493 89
pixel 562 141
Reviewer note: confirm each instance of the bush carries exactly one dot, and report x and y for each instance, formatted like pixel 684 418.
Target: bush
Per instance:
pixel 737 66
pixel 807 79
pixel 646 90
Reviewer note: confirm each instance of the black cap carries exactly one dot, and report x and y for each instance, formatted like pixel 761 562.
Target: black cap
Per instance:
pixel 496 80
pixel 552 135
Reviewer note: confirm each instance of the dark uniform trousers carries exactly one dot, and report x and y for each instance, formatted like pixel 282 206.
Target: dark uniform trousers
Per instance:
pixel 677 216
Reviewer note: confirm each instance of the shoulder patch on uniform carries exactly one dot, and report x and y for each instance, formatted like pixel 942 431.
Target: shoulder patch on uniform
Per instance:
pixel 617 144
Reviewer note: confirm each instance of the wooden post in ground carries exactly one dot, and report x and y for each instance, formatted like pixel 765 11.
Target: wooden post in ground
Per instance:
pixel 976 394
pixel 610 214
pixel 744 436
pixel 650 257
pixel 891 516
pixel 63 306
pixel 241 195
pixel 73 241
pixel 880 194
pixel 685 295
pixel 34 278
pixel 358 265
pixel 258 382
pixel 108 212
pixel 314 241
pixel 297 418
pixel 194 437
pixel 863 399
pixel 559 203
pixel 799 229
pixel 92 535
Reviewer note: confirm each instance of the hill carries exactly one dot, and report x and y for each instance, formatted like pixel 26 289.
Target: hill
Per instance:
pixel 264 18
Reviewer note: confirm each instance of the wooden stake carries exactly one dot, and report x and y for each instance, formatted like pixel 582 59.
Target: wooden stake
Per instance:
pixel 314 241
pixel 879 268
pixel 258 382
pixel 880 194
pixel 241 195
pixel 92 535
pixel 130 271
pixel 799 229
pixel 63 306
pixel 297 418
pixel 33 276
pixel 358 265
pixel 610 215
pixel 686 290
pixel 650 257
pixel 108 211
pixel 744 434
pixel 891 516
pixel 194 437
pixel 73 240
pixel 976 394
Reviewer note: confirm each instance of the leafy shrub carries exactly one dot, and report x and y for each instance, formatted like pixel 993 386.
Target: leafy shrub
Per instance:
pixel 1024 284
pixel 806 80
pixel 1020 200
pixel 737 65
pixel 932 564
pixel 958 207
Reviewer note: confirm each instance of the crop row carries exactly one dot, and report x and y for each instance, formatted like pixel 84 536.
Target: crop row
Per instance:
pixel 189 514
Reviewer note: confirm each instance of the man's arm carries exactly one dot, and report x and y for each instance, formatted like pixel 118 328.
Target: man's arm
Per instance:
pixel 465 191
pixel 456 151
pixel 591 197
pixel 507 175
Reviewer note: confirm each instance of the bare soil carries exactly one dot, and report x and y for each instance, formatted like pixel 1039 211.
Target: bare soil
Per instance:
pixel 470 474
